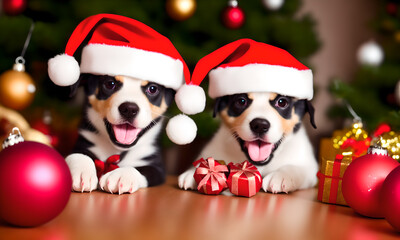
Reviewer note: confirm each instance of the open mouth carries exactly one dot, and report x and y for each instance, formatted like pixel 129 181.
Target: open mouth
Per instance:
pixel 126 135
pixel 123 135
pixel 259 152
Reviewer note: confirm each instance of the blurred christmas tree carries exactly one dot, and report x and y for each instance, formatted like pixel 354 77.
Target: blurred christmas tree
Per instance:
pixel 269 21
pixel 372 91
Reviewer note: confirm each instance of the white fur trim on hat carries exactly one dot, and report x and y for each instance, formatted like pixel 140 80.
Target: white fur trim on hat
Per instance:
pixel 190 99
pixel 181 129
pixel 261 78
pixel 119 60
pixel 63 70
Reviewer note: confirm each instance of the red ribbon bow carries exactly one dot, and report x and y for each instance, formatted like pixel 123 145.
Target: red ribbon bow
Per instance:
pixel 250 172
pixel 213 172
pixel 104 167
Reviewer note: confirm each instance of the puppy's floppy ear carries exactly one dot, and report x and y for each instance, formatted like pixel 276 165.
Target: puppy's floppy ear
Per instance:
pixel 74 88
pixel 169 95
pixel 220 103
pixel 88 81
pixel 310 109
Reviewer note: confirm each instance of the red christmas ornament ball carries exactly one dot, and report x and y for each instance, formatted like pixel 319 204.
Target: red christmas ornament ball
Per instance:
pixel 14 7
pixel 390 198
pixel 391 8
pixel 233 17
pixel 362 183
pixel 35 184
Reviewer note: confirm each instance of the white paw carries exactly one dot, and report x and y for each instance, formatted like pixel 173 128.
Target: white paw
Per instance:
pixel 83 172
pixel 123 180
pixel 279 181
pixel 186 180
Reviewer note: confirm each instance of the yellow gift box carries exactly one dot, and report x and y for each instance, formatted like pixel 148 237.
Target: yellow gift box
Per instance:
pixel 333 164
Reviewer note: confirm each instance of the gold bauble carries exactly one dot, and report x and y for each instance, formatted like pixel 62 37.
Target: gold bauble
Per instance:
pixel 180 9
pixel 17 88
pixel 397 36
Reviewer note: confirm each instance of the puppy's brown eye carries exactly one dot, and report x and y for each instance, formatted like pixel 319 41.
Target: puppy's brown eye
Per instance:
pixel 110 84
pixel 282 103
pixel 241 102
pixel 152 90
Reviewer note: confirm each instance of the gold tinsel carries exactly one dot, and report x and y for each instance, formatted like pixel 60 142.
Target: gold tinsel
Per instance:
pixel 356 132
pixel 390 141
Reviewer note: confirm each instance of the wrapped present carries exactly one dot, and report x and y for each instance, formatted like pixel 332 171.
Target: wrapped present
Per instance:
pixel 210 176
pixel 330 179
pixel 244 179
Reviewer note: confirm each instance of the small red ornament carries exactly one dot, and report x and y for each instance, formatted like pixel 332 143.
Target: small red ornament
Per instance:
pixel 233 17
pixel 14 7
pixel 35 183
pixel 362 181
pixel 391 8
pixel 210 176
pixel 390 198
pixel 244 179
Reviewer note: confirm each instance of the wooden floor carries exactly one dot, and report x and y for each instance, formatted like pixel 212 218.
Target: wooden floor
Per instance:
pixel 166 212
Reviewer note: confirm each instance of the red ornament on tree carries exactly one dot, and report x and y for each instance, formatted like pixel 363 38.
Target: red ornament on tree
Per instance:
pixel 14 7
pixel 233 16
pixel 35 182
pixel 363 179
pixel 391 8
pixel 390 198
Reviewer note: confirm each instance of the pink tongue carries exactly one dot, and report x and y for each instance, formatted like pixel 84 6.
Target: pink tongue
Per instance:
pixel 258 150
pixel 125 133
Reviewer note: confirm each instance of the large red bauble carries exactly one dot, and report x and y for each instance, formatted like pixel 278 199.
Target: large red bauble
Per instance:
pixel 14 7
pixel 362 183
pixel 35 184
pixel 390 198
pixel 233 17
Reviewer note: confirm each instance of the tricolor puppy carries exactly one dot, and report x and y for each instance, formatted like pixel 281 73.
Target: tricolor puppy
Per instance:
pixel 261 96
pixel 130 74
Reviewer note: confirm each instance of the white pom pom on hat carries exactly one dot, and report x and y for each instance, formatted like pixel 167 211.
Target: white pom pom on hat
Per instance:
pixel 181 129
pixel 190 99
pixel 63 70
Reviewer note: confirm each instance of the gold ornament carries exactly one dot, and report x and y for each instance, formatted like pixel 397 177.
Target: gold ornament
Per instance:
pixel 391 142
pixel 356 132
pixel 397 36
pixel 17 88
pixel 13 119
pixel 180 9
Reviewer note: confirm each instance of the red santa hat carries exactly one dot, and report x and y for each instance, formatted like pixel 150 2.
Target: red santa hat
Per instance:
pixel 117 45
pixel 245 66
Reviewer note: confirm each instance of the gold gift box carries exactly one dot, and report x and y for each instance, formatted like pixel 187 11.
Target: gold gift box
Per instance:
pixel 333 164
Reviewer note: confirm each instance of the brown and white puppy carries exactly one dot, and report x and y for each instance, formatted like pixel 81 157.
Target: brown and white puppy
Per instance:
pixel 266 129
pixel 123 116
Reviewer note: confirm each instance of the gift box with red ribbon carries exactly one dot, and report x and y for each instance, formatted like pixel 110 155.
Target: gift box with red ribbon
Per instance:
pixel 210 176
pixel 244 179
pixel 330 179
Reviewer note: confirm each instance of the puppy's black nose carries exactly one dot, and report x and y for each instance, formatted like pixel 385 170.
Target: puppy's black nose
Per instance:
pixel 259 126
pixel 128 110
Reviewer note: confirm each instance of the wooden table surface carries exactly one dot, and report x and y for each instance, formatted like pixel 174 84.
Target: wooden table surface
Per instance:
pixel 166 212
